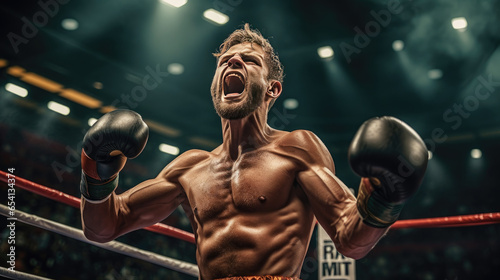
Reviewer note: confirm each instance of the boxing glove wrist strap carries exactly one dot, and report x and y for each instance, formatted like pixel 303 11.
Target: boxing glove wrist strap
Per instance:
pixel 97 191
pixel 373 209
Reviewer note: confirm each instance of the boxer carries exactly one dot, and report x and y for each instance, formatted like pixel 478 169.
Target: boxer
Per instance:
pixel 254 200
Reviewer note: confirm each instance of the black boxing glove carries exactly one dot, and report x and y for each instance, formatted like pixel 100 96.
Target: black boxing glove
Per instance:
pixel 116 136
pixel 392 158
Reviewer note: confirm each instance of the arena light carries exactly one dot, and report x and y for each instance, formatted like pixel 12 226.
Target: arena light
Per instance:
pixel 325 52
pixel 58 108
pixel 16 71
pixel 476 153
pixel 69 24
pixel 17 90
pixel 97 85
pixel 107 109
pixel 459 23
pixel 169 149
pixel 398 45
pixel 175 68
pixel 290 103
pixel 175 3
pixel 81 98
pixel 435 74
pixel 216 16
pixel 91 121
pixel 3 63
pixel 41 82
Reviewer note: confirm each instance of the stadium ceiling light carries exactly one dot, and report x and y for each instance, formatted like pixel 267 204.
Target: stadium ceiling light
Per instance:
pixel 325 52
pixel 17 90
pixel 174 3
pixel 91 121
pixel 216 16
pixel 459 23
pixel 69 24
pixel 398 45
pixel 169 149
pixel 476 153
pixel 435 74
pixel 58 108
pixel 175 68
pixel 290 103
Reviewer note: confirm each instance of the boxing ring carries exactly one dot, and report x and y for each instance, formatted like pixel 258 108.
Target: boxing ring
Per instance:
pixel 173 264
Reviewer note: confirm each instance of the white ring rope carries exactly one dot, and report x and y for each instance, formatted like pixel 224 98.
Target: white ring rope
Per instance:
pixel 114 246
pixel 12 274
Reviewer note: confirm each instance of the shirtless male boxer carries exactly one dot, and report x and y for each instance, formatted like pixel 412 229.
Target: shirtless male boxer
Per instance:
pixel 253 200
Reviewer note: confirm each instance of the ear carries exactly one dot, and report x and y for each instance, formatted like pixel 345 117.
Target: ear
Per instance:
pixel 274 89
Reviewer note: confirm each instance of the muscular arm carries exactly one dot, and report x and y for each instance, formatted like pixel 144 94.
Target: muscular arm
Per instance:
pixel 143 205
pixel 333 204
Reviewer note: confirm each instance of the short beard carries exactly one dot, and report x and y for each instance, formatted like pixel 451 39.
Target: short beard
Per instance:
pixel 233 112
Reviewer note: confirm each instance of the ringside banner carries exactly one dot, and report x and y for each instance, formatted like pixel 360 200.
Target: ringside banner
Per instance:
pixel 332 264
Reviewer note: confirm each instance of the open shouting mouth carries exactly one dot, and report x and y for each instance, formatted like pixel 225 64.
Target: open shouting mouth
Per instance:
pixel 234 84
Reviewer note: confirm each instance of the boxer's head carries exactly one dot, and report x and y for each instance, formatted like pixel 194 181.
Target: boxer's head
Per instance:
pixel 255 37
pixel 263 79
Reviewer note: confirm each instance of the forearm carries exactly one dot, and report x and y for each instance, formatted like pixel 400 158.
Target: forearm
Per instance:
pixel 99 220
pixel 143 205
pixel 341 219
pixel 354 238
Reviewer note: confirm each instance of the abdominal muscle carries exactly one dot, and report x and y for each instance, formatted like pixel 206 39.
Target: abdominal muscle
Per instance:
pixel 245 244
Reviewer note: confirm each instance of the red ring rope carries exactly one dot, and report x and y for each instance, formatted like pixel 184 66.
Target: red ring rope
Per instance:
pixel 75 202
pixel 465 220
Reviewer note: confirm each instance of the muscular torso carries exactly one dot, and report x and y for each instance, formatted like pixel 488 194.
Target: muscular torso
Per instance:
pixel 252 210
pixel 249 215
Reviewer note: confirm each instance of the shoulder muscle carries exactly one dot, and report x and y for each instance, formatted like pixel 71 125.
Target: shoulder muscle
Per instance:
pixel 307 148
pixel 183 163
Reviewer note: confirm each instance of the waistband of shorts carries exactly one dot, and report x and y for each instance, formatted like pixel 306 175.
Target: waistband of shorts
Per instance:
pixel 265 277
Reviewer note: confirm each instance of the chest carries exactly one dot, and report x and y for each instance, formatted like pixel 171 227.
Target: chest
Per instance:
pixel 256 182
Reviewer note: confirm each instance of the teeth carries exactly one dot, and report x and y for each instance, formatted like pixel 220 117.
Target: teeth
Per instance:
pixel 235 75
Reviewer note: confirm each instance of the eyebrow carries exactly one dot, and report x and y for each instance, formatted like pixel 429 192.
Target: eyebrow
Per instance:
pixel 245 53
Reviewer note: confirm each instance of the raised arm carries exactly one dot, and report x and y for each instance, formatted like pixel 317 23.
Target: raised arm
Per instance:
pixel 143 205
pixel 332 202
pixel 115 137
pixel 391 159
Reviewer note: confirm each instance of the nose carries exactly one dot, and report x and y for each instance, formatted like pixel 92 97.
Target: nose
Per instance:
pixel 235 62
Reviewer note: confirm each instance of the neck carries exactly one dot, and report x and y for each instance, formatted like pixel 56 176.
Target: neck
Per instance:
pixel 245 134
